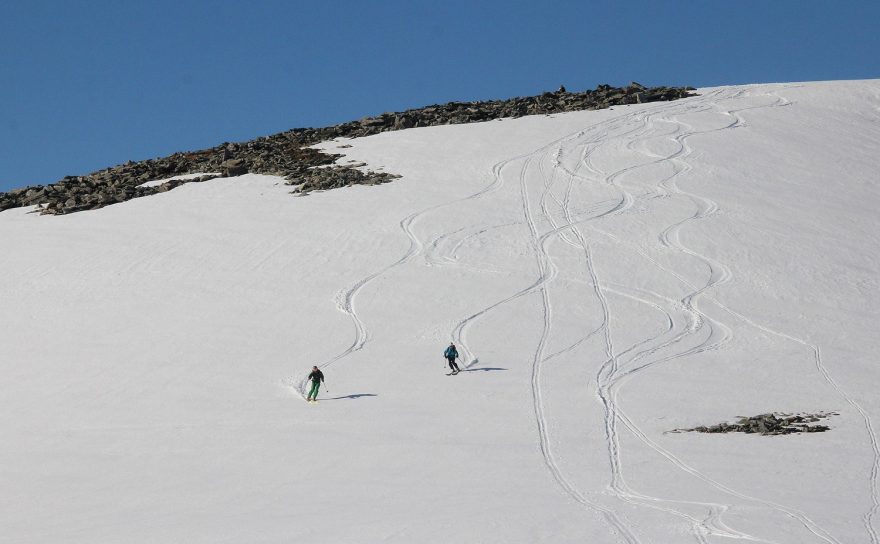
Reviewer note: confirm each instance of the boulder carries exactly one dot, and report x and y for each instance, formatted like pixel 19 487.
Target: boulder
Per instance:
pixel 233 167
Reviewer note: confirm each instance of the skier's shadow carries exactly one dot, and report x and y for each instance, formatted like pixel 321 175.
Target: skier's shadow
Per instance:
pixel 355 396
pixel 470 368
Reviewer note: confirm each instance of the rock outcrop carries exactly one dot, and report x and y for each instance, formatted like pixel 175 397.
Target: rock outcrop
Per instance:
pixel 289 154
pixel 768 424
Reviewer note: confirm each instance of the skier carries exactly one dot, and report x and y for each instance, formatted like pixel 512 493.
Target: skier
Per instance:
pixel 451 355
pixel 317 377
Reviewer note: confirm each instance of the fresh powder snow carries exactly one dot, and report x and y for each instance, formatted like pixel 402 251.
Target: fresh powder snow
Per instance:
pixel 608 277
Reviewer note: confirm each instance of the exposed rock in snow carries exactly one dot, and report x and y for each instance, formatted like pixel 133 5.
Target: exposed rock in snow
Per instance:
pixel 288 154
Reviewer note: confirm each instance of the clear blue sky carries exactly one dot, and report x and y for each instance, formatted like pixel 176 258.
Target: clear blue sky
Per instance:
pixel 85 85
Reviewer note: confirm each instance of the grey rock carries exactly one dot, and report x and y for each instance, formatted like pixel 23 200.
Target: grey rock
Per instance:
pixel 234 167
pixel 768 424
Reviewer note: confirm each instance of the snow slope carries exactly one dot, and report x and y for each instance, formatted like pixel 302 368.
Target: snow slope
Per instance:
pixel 609 276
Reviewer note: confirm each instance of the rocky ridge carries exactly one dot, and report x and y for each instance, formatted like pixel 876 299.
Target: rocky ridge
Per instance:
pixel 289 154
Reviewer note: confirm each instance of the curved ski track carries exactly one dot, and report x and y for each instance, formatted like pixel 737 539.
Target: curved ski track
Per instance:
pixel 610 377
pixel 669 237
pixel 701 528
pixel 620 364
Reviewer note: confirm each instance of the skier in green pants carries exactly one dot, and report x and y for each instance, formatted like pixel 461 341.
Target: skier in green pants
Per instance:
pixel 317 377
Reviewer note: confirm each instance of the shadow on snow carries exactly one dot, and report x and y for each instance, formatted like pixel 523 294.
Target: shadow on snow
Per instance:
pixel 355 396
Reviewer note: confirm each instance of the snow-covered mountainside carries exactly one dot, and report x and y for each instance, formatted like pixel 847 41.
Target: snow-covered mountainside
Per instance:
pixel 608 276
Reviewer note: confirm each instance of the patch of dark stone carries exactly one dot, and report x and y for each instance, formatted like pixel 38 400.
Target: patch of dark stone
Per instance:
pixel 769 424
pixel 290 154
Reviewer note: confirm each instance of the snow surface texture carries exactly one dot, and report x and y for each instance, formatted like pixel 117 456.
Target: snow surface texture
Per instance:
pixel 608 276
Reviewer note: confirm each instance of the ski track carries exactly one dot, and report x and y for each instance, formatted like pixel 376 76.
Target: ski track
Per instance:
pixel 609 373
pixel 547 272
pixel 345 299
pixel 719 274
pixel 700 528
pixel 718 335
pixel 707 208
pixel 620 366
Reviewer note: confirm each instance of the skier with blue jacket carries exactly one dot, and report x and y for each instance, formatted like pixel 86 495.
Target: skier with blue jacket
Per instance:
pixel 451 355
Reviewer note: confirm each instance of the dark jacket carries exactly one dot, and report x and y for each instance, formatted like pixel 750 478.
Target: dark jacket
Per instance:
pixel 316 376
pixel 451 352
